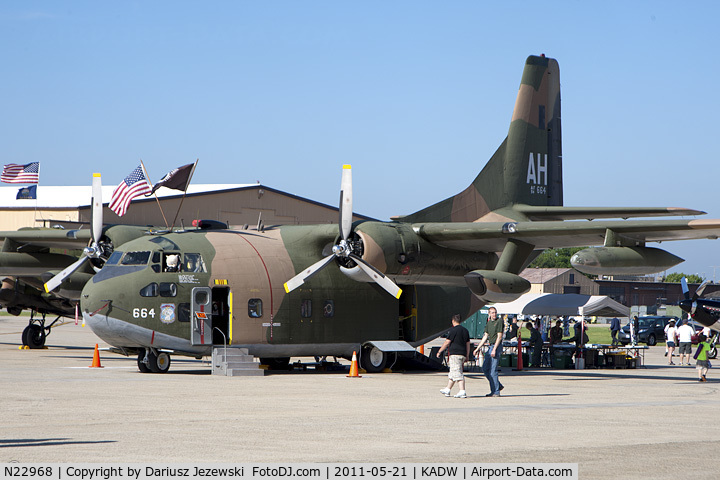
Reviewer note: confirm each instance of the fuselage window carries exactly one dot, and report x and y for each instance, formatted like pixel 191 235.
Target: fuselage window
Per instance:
pixel 328 309
pixel 193 263
pixel 135 258
pixel 114 258
pixel 149 290
pixel 306 308
pixel 167 289
pixel 255 309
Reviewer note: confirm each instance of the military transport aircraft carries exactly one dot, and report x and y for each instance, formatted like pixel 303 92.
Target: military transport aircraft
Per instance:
pixel 328 290
pixel 370 286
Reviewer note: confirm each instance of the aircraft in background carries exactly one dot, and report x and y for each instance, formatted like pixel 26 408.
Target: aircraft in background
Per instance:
pixel 375 287
pixel 705 311
pixel 65 258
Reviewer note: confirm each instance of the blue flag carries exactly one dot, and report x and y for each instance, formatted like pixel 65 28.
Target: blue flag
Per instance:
pixel 27 193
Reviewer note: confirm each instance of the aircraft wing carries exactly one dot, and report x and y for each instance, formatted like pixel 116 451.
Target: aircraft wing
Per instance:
pixel 46 238
pixel 492 236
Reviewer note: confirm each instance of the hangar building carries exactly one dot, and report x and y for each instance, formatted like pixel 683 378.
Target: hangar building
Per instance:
pixel 235 204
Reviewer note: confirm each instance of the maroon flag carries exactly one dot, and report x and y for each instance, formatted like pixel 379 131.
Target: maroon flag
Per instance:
pixel 133 186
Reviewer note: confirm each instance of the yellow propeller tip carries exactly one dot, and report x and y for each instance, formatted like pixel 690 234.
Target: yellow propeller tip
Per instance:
pixel 96 174
pixel 346 167
pixel 399 293
pixel 287 290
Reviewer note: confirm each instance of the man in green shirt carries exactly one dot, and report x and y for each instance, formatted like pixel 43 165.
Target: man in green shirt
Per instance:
pixel 493 337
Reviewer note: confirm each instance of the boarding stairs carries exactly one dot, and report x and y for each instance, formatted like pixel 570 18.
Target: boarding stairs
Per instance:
pixel 234 362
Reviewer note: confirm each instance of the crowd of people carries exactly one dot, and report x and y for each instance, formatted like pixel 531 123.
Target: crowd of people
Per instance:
pixel 457 345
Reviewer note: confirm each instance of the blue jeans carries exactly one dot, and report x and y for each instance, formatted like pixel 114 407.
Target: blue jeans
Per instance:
pixel 490 366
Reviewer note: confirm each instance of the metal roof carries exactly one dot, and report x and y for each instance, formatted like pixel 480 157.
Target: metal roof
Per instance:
pixel 49 196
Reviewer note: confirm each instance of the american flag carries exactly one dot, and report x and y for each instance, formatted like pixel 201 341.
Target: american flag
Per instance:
pixel 133 186
pixel 13 173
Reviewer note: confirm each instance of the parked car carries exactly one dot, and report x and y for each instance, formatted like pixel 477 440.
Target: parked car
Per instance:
pixel 651 330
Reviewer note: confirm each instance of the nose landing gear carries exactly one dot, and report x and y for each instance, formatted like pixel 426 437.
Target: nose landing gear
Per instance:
pixel 152 361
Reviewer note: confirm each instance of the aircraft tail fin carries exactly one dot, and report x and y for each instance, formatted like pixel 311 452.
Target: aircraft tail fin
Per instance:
pixel 527 167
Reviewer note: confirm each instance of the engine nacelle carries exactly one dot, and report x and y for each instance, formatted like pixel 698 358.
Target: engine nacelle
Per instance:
pixel 623 260
pixel 494 286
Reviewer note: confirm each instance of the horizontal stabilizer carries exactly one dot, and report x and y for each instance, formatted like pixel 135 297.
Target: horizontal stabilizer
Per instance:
pixel 535 212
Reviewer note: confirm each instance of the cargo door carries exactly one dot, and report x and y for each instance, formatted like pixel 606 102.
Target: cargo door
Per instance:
pixel 201 316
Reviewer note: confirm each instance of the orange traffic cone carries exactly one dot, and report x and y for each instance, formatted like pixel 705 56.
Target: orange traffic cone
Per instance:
pixel 354 367
pixel 96 358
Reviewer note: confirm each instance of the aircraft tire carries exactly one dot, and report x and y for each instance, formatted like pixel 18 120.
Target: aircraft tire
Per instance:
pixel 651 341
pixel 373 359
pixel 33 336
pixel 141 363
pixel 159 363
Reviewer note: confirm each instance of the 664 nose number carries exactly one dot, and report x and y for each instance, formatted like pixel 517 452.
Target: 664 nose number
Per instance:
pixel 143 312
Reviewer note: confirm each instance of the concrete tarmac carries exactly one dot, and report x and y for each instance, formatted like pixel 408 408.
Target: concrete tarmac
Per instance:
pixel 654 422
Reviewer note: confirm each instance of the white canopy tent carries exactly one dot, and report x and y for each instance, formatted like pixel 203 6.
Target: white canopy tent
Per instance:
pixel 564 304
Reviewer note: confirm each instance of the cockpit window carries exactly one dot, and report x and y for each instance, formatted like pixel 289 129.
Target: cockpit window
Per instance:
pixel 150 290
pixel 193 263
pixel 114 258
pixel 135 258
pixel 168 289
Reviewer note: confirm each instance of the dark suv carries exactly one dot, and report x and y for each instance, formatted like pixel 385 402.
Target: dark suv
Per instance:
pixel 652 330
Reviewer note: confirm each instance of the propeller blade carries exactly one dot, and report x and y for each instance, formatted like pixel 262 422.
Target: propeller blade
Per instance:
pixel 378 277
pixel 701 289
pixel 346 212
pixel 55 282
pixel 693 308
pixel 685 289
pixel 97 208
pixel 300 278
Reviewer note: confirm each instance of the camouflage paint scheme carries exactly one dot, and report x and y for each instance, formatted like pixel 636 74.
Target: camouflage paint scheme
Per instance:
pixel 451 257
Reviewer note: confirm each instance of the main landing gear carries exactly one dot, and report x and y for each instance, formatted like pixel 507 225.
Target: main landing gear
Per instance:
pixel 36 332
pixel 152 361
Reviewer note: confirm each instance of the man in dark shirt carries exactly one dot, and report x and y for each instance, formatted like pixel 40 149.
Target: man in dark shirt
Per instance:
pixel 614 329
pixel 493 337
pixel 457 343
pixel 536 342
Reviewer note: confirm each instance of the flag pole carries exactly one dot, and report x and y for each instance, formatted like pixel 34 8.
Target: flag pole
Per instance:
pixel 147 177
pixel 184 193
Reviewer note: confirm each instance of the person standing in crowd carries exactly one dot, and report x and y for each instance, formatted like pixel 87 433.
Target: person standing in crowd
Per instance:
pixel 634 329
pixel 536 342
pixel 685 333
pixel 493 337
pixel 457 344
pixel 703 363
pixel 670 336
pixel 614 329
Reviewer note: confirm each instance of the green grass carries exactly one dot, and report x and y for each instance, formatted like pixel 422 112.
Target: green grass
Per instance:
pixel 599 334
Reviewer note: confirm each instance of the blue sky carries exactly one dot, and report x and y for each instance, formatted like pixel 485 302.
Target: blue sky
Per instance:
pixel 415 95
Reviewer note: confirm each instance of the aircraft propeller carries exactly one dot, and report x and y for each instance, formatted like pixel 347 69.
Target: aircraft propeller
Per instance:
pixel 690 304
pixel 345 248
pixel 95 249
